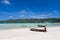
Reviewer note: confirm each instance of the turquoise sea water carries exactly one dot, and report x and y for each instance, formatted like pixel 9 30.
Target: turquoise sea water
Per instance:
pixel 26 25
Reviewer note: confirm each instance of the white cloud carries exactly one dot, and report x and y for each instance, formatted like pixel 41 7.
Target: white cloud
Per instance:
pixel 41 16
pixel 30 14
pixel 11 17
pixel 46 15
pixel 23 12
pixel 7 2
pixel 27 13
pixel 22 15
pixel 38 16
pixel 55 11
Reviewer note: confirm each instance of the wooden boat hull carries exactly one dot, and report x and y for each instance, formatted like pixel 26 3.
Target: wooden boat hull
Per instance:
pixel 39 30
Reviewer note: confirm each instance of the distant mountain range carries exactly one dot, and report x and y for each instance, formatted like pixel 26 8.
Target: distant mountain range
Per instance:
pixel 42 20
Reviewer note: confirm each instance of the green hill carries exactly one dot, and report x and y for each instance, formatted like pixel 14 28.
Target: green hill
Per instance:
pixel 43 20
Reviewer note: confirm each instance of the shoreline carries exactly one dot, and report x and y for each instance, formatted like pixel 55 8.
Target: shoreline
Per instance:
pixel 26 28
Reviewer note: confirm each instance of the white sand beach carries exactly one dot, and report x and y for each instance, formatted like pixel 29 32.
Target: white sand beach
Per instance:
pixel 53 33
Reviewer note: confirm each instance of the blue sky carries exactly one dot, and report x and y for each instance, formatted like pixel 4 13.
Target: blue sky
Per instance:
pixel 17 9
